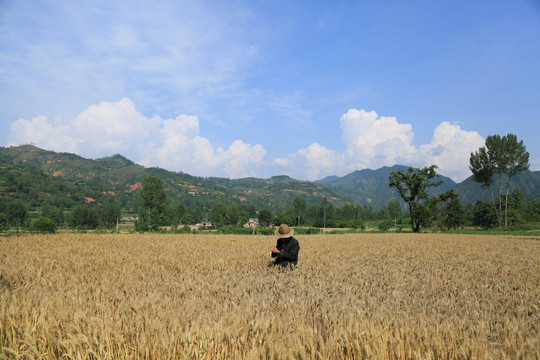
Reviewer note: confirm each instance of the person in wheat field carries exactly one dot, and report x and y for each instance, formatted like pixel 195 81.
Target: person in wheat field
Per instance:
pixel 286 250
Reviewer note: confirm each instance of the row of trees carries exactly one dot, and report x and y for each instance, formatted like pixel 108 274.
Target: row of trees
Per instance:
pixel 14 214
pixel 493 167
pixel 501 158
pixel 442 211
pixel 495 163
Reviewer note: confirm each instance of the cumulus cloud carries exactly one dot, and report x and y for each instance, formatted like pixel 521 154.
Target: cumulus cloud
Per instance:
pixel 373 141
pixel 450 149
pixel 176 144
pixel 100 130
pixel 312 163
pixel 118 127
pixel 183 149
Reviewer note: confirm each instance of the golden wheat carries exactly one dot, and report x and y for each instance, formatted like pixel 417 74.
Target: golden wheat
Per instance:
pixel 380 296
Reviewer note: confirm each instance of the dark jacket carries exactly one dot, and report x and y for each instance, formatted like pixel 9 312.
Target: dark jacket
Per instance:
pixel 288 255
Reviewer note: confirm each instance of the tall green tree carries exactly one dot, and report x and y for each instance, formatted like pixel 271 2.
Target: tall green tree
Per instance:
pixel 83 217
pixel 325 206
pixel 233 214
pixel 109 215
pixel 455 214
pixel 443 200
pixel 17 213
pixel 299 204
pixel 265 217
pixel 412 188
pixel 500 158
pixel 394 209
pixel 483 215
pixel 4 222
pixel 54 213
pixel 154 200
pixel 218 215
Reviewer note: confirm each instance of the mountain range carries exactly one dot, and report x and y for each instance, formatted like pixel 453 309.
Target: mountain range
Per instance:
pixel 39 176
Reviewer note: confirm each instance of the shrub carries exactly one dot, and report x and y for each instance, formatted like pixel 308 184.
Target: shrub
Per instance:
pixel 385 225
pixel 4 222
pixel 307 231
pixel 264 231
pixel 43 225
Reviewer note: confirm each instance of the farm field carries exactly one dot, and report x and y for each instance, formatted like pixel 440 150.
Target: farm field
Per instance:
pixel 353 296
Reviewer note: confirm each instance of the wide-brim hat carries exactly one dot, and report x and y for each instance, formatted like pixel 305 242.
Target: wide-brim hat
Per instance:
pixel 284 231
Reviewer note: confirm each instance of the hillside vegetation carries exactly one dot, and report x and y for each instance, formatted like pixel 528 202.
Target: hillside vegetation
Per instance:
pixel 59 186
pixel 73 179
pixel 118 179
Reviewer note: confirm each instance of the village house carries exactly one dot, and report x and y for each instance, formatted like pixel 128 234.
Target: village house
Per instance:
pixel 252 223
pixel 206 224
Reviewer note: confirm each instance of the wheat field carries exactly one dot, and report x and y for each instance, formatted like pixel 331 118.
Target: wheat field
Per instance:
pixel 353 296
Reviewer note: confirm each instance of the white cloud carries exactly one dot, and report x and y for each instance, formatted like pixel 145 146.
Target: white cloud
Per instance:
pixel 176 144
pixel 100 130
pixel 241 160
pixel 311 163
pixel 183 149
pixel 374 141
pixel 450 149
pixel 117 127
pixel 371 141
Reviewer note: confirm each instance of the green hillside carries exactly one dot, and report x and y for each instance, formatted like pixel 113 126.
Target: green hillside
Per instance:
pixel 280 191
pixel 40 176
pixel 370 187
pixel 528 182
pixel 118 179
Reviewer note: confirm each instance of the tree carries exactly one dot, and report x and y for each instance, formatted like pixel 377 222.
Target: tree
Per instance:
pixel 265 217
pixel 218 215
pixel 385 225
pixel 83 218
pixel 154 200
pixel 517 212
pixel 284 219
pixel 394 209
pixel 444 200
pixel 4 222
pixel 483 215
pixel 109 215
pixel 188 219
pixel 532 212
pixel 54 213
pixel 175 213
pixel 499 156
pixel 412 188
pixel 233 214
pixel 455 214
pixel 347 213
pixel 325 205
pixel 299 204
pixel 17 213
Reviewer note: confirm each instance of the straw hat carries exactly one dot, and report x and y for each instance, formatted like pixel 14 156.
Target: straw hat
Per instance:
pixel 284 231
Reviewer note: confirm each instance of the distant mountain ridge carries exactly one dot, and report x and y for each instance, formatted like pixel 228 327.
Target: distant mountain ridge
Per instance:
pixel 118 179
pixel 371 186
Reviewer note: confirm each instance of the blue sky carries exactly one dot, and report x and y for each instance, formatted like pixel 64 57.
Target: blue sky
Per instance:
pixel 263 88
